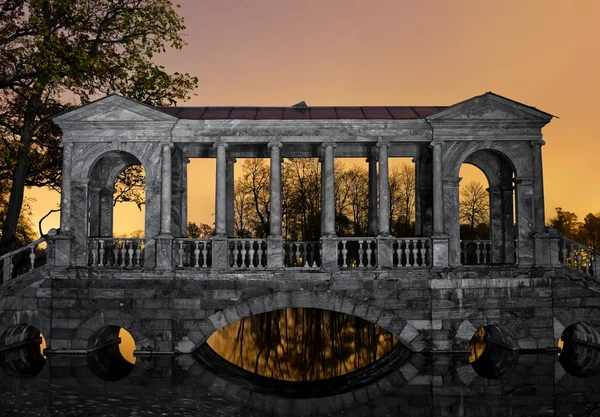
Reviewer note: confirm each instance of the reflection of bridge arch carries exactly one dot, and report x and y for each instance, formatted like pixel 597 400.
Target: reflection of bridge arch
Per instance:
pixel 407 334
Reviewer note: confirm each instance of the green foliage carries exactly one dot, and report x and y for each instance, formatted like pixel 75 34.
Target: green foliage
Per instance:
pixel 56 54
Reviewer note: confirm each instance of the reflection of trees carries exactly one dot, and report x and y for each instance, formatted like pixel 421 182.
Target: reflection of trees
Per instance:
pixel 302 344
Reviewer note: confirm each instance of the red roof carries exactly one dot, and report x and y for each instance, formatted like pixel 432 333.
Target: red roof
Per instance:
pixel 292 113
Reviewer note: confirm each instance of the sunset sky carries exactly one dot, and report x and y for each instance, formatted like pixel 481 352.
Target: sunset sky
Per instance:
pixel 544 53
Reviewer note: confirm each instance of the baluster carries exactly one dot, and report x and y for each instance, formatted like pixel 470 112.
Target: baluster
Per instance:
pixel 101 253
pixel 297 253
pixel 406 251
pixel 478 252
pixel 235 254
pixel 579 258
pixel 572 255
pixel 205 254
pixel 315 248
pixel 415 251
pixel 361 252
pixel 115 252
pixel 369 253
pixel 259 254
pixel 344 254
pixel 130 252
pixel 94 250
pixel 138 252
pixel 196 254
pixel 180 252
pixel 422 251
pixel 32 257
pixel 124 253
pixel 243 254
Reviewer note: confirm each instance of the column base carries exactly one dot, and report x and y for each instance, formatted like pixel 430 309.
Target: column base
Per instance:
pixel 329 253
pixel 164 252
pixel 274 253
pixel 439 246
pixel 545 249
pixel 59 248
pixel 220 253
pixel 385 252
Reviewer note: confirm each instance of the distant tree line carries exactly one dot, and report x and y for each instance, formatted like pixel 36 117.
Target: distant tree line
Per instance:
pixel 586 232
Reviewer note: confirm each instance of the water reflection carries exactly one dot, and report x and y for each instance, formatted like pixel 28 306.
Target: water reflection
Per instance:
pixel 493 352
pixel 302 344
pixel 110 354
pixel 22 351
pixel 580 350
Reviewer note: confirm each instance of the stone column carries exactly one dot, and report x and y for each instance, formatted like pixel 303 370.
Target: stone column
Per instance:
pixel 65 192
pixel 496 225
pixel 220 253
pixel 79 223
pixel 439 237
pixel 329 241
pixel 385 252
pixel 164 251
pixel 538 186
pixel 452 218
pixel 322 165
pixel 525 220
pixel 508 224
pixel 372 228
pixel 275 241
pixel 418 201
pixel 165 190
pixel 151 225
pixel 230 182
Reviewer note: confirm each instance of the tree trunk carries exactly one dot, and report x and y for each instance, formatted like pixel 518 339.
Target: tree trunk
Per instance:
pixel 15 202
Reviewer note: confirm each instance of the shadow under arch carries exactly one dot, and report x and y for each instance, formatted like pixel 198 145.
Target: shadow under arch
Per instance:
pixel 494 351
pixel 580 351
pixel 407 334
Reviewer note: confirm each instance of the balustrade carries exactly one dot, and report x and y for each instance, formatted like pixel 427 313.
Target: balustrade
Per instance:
pixel 302 254
pixel 357 252
pixel 475 252
pixel 192 253
pixel 247 253
pixel 22 260
pixel 578 256
pixel 116 252
pixel 412 252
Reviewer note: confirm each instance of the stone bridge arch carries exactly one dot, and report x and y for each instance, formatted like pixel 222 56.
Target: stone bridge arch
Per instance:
pixel 407 334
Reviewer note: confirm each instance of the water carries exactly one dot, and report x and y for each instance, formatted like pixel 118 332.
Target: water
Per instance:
pixel 346 368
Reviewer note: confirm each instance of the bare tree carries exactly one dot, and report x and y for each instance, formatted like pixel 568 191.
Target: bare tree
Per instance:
pixel 402 199
pixel 474 205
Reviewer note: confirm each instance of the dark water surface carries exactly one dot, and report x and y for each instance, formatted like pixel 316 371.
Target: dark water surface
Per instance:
pixel 299 363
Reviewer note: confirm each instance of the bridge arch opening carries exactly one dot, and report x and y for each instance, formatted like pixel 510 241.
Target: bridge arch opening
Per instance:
pixel 22 351
pixel 487 205
pixel 580 350
pixel 110 353
pixel 116 191
pixel 493 351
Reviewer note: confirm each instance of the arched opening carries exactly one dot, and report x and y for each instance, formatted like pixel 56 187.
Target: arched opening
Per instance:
pixel 303 344
pixel 580 350
pixel 487 209
pixel 110 353
pixel 22 351
pixel 493 351
pixel 116 222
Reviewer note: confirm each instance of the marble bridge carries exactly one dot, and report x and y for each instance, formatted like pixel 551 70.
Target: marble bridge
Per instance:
pixel 432 290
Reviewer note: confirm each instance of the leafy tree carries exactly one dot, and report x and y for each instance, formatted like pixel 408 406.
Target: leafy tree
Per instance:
pixel 54 49
pixel 25 228
pixel 200 231
pixel 590 230
pixel 474 205
pixel 565 223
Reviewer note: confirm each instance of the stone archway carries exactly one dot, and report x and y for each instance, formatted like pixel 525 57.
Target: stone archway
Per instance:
pixel 406 333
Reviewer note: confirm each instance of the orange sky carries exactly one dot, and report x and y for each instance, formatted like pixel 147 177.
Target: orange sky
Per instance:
pixel 341 52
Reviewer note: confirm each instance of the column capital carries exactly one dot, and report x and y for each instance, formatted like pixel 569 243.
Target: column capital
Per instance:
pixel 452 181
pixel 527 181
pixel 67 145
pixel 328 143
pixel 538 142
pixel 169 144
pixel 436 142
pixel 382 142
pixel 219 144
pixel 274 142
pixel 231 158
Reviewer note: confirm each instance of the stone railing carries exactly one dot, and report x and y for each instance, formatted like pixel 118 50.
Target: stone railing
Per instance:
pixel 302 254
pixel 22 260
pixel 357 252
pixel 247 253
pixel 192 253
pixel 475 252
pixel 116 252
pixel 412 252
pixel 577 256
